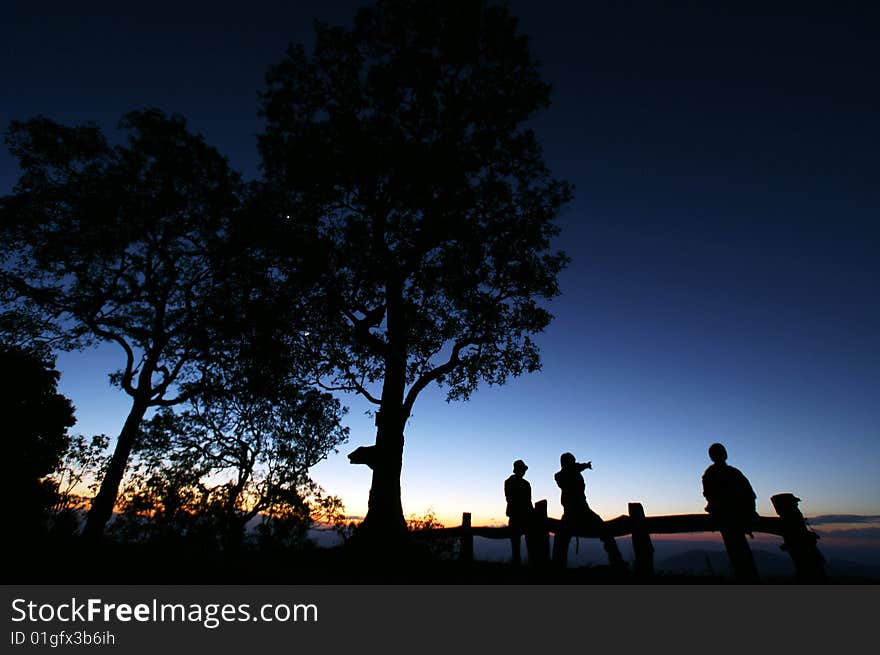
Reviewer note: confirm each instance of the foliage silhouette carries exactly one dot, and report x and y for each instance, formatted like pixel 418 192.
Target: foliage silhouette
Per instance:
pixel 77 480
pixel 235 455
pixel 24 328
pixel 118 243
pixel 398 157
pixel 438 548
pixel 35 422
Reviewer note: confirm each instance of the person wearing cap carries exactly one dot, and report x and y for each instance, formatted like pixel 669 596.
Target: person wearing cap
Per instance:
pixel 518 493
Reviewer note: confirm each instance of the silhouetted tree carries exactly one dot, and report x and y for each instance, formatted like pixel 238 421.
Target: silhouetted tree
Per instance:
pixel 162 496
pixel 241 451
pixel 22 326
pixel 77 480
pixel 117 244
pixel 400 150
pixel 35 419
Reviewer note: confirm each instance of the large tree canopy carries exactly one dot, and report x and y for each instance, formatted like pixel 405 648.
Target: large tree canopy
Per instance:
pixel 400 148
pixel 121 244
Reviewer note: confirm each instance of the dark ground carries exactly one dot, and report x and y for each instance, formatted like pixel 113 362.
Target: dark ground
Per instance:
pixel 115 563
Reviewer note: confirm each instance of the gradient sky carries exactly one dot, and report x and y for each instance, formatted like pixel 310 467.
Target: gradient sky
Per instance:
pixel 723 236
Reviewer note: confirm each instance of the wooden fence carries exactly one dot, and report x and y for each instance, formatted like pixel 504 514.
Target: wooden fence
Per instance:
pixel 798 540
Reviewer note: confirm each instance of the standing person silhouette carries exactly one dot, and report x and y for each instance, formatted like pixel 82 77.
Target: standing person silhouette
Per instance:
pixel 731 502
pixel 518 493
pixel 577 515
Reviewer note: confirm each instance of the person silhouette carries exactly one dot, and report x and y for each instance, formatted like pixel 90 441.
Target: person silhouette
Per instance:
pixel 577 515
pixel 730 500
pixel 518 493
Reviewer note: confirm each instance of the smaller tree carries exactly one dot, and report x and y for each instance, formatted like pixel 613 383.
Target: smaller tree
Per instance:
pixel 76 482
pixel 80 473
pixel 120 244
pixel 162 497
pixel 240 452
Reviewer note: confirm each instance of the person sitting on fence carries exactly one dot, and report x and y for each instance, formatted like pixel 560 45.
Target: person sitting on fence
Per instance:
pixel 729 495
pixel 518 493
pixel 577 515
pixel 731 502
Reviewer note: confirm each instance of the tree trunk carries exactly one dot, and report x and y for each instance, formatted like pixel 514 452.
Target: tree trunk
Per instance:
pixel 385 510
pixel 384 525
pixel 104 502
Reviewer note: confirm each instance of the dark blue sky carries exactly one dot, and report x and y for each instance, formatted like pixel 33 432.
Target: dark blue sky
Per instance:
pixel 724 237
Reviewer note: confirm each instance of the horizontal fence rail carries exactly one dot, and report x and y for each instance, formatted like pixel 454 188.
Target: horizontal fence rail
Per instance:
pixel 621 527
pixel 798 540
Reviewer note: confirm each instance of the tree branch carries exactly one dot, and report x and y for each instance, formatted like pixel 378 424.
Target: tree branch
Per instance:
pixel 168 377
pixel 354 386
pixel 435 374
pixel 128 375
pixel 170 402
pixel 362 329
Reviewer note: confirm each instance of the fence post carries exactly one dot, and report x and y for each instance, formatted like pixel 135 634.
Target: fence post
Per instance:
pixel 798 540
pixel 740 553
pixel 466 552
pixel 538 536
pixel 643 549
